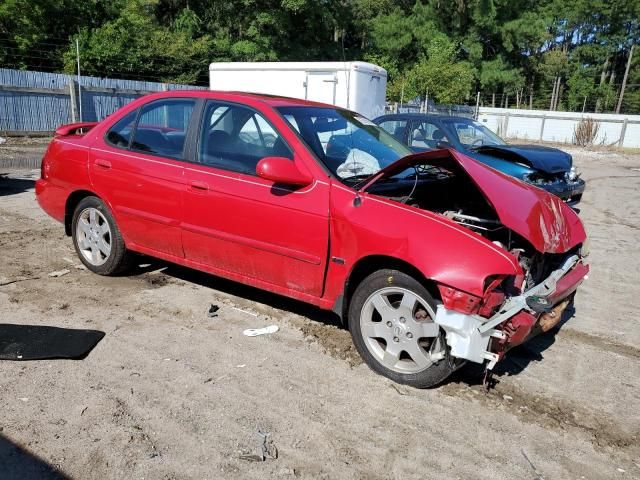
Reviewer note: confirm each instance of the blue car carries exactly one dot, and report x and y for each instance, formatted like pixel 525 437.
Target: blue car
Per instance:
pixel 544 167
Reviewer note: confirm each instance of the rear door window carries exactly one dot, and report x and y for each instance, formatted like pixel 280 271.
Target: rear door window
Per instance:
pixel 162 127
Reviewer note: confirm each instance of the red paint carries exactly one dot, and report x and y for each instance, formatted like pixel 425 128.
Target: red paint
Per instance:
pixel 72 128
pixel 459 301
pixel 251 229
pixel 542 218
pixel 283 171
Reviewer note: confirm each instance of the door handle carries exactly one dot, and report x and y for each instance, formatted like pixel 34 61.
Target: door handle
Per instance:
pixel 103 163
pixel 199 185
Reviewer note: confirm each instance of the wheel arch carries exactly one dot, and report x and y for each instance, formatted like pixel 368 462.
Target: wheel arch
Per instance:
pixel 370 264
pixel 70 205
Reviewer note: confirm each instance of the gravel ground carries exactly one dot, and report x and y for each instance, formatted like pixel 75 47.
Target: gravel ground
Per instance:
pixel 171 393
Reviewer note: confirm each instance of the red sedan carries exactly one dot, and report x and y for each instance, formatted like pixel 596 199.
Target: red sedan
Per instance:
pixel 431 259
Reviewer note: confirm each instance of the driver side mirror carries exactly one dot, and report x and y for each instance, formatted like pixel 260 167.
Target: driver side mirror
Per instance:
pixel 282 170
pixel 443 144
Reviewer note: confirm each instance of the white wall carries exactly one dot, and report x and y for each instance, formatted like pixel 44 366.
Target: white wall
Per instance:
pixel 560 126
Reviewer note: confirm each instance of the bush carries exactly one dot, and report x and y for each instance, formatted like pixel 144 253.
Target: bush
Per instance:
pixel 586 132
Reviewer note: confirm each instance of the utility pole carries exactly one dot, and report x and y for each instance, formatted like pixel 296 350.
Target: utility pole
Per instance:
pixel 477 105
pixel 624 79
pixel 553 94
pixel 79 86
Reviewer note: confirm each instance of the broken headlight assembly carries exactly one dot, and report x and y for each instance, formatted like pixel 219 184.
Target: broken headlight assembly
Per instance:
pixel 572 175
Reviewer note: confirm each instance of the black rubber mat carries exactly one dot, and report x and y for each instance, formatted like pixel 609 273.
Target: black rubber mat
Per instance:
pixel 32 342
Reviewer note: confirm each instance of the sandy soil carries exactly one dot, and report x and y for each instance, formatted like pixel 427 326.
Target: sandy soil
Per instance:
pixel 170 393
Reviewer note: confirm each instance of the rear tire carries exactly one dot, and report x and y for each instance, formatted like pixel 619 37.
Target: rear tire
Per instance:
pixel 97 239
pixel 391 322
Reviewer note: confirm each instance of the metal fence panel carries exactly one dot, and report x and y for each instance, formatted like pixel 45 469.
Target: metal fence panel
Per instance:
pixel 40 101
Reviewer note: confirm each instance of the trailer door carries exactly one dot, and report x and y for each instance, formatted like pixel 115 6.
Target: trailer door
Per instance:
pixel 321 87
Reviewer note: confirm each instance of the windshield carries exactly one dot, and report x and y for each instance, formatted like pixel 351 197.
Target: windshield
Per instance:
pixel 473 134
pixel 351 146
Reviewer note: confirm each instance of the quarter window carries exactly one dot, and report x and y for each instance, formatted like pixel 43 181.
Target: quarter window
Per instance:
pixel 162 127
pixel 236 138
pixel 120 134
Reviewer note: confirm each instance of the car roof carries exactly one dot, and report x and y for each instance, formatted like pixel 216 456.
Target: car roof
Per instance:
pixel 271 100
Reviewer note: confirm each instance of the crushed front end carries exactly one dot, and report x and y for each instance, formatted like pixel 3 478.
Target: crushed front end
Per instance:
pixel 512 309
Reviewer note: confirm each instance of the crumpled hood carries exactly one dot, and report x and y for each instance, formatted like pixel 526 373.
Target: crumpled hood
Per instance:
pixel 540 217
pixel 545 159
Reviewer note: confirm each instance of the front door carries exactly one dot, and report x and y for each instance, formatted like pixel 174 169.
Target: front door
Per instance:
pixel 236 222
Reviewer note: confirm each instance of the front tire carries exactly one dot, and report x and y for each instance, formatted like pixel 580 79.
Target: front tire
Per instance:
pixel 97 239
pixel 391 322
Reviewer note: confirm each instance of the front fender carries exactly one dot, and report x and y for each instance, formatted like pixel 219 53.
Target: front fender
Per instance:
pixel 440 249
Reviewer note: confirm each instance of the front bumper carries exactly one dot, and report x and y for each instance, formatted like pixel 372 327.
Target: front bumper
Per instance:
pixel 468 335
pixel 570 192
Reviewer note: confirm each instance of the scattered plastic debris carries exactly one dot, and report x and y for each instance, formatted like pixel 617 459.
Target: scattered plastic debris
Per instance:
pixel 507 397
pixel 245 311
pixel 254 332
pixel 213 310
pixel 60 273
pixel 242 365
pixel 2 140
pixel 23 399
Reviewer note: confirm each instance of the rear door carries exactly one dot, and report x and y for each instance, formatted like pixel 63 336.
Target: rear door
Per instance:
pixel 138 168
pixel 247 227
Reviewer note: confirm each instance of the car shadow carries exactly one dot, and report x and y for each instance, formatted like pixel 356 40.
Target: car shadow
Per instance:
pixel 518 358
pixel 17 463
pixel 515 361
pixel 144 265
pixel 10 185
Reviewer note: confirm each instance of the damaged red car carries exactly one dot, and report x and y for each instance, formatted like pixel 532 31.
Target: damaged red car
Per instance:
pixel 431 259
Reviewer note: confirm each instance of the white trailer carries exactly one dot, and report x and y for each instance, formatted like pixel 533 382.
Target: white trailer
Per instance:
pixel 357 86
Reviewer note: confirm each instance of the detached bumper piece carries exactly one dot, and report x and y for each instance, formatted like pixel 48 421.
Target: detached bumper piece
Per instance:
pixel 468 335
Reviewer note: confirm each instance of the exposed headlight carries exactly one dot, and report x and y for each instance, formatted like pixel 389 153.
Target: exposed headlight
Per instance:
pixel 571 175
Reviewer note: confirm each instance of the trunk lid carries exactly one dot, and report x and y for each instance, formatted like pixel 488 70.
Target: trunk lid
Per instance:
pixel 538 216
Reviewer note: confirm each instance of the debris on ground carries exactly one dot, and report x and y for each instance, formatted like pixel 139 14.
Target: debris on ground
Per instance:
pixel 213 310
pixel 60 273
pixel 267 449
pixel 535 470
pixel 2 140
pixel 254 332
pixel 245 311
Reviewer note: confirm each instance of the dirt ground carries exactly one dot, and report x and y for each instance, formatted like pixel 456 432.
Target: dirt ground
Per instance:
pixel 170 393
